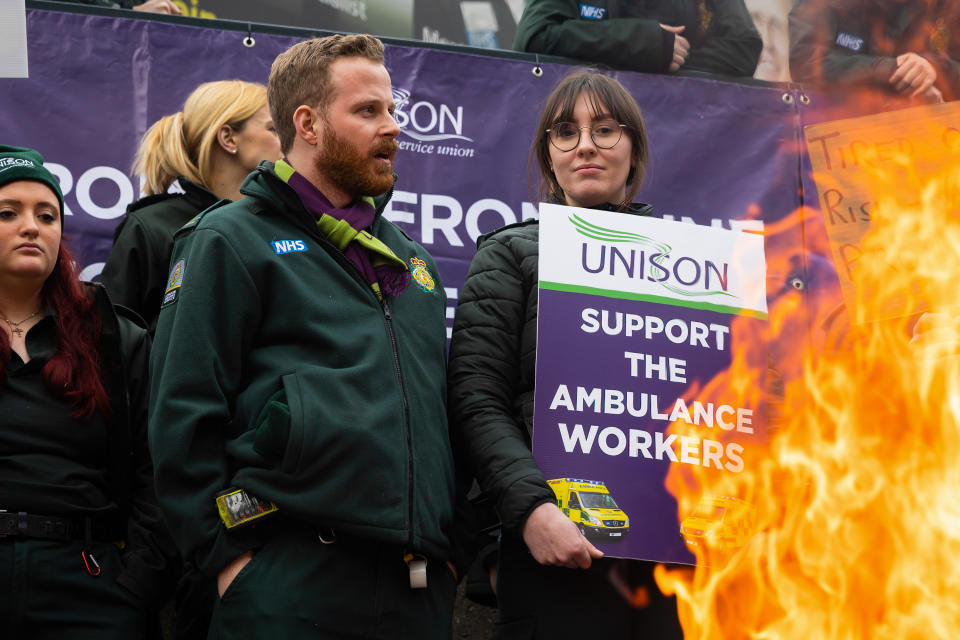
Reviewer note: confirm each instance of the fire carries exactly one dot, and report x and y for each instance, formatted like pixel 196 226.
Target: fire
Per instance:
pixel 856 489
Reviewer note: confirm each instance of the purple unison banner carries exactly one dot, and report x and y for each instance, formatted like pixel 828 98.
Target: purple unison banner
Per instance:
pixel 722 153
pixel 632 312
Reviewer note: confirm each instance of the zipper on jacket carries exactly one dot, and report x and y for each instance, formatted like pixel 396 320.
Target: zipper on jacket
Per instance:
pixel 406 417
pixel 352 269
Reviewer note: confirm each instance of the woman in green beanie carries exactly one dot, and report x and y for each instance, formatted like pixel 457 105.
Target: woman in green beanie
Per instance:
pixel 83 546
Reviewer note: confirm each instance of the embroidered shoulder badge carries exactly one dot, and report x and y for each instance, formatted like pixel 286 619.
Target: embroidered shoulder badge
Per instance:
pixel 173 283
pixel 421 275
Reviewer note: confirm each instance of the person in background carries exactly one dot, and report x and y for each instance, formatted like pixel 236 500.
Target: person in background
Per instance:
pixel 84 552
pixel 658 36
pixel 221 135
pixel 771 17
pixel 150 6
pixel 298 417
pixel 899 47
pixel 591 149
pixel 223 132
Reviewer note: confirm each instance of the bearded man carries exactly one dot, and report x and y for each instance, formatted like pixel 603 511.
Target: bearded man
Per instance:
pixel 298 417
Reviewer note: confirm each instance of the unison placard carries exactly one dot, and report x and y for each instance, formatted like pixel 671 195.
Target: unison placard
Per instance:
pixel 632 312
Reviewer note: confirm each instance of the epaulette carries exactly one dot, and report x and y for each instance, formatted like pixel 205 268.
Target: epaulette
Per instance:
pixel 522 223
pixel 195 220
pixel 146 201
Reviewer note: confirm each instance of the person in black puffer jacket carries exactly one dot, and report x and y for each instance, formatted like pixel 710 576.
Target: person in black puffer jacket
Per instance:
pixel 591 147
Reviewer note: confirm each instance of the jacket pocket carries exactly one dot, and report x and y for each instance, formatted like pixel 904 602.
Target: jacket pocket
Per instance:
pixel 279 432
pixel 273 427
pixel 295 436
pixel 240 577
pixel 322 418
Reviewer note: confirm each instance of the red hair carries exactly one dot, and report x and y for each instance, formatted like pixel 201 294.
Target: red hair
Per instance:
pixel 73 373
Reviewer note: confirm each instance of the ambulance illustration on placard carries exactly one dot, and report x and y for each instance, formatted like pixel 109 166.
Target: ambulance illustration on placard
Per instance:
pixel 721 522
pixel 592 508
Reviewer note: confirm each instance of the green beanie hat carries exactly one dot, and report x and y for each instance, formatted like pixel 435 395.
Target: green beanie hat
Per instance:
pixel 20 163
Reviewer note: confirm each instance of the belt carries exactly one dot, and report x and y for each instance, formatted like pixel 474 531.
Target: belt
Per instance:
pixel 26 525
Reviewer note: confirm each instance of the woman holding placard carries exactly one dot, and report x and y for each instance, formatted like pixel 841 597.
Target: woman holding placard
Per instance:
pixel 591 150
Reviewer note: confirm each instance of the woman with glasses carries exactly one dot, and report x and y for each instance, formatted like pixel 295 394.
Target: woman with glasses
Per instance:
pixel 591 150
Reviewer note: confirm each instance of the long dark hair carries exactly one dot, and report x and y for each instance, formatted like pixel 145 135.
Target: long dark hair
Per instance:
pixel 73 374
pixel 605 95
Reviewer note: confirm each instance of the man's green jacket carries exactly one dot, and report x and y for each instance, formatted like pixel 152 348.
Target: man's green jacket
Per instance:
pixel 276 370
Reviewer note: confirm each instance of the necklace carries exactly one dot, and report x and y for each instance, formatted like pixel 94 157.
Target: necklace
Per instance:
pixel 15 326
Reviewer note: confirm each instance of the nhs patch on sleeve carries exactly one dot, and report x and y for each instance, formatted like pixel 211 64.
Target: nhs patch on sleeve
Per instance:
pixel 591 12
pixel 848 41
pixel 281 247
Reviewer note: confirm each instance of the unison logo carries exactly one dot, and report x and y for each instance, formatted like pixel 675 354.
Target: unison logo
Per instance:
pixel 653 262
pixel 428 121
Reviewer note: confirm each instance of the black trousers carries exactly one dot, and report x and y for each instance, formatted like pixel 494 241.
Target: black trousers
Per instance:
pixel 297 587
pixel 47 594
pixel 554 603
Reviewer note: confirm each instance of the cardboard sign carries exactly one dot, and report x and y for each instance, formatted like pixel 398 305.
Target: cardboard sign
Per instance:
pixel 860 162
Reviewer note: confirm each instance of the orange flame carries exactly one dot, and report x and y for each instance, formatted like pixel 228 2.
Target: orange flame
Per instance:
pixel 857 487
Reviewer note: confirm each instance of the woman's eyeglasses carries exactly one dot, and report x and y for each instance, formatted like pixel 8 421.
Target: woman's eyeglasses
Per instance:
pixel 565 136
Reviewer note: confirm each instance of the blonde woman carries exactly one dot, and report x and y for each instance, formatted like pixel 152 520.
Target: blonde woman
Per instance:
pixel 222 134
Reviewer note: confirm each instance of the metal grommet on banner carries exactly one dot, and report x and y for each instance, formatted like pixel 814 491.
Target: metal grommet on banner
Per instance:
pixel 798 284
pixel 537 70
pixel 804 98
pixel 249 42
pixel 787 98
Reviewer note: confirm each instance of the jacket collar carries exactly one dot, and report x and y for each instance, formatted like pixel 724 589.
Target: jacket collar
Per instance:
pixel 635 208
pixel 196 196
pixel 263 183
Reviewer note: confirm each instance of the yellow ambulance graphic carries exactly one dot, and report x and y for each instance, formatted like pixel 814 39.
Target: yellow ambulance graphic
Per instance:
pixel 592 508
pixel 722 522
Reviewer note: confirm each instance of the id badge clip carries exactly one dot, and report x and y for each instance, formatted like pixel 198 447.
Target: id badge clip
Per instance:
pixel 418 570
pixel 237 507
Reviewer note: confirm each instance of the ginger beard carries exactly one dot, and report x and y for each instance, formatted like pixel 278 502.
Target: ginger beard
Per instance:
pixel 358 172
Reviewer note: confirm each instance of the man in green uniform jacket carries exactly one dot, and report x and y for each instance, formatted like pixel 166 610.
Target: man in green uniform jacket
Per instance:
pixel 651 36
pixel 300 359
